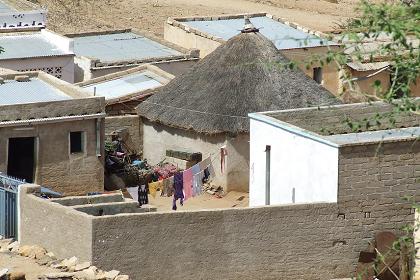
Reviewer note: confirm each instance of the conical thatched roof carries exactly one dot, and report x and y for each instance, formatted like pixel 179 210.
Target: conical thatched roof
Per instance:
pixel 240 77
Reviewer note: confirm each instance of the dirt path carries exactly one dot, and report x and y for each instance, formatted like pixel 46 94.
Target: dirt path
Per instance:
pixel 67 16
pixel 28 266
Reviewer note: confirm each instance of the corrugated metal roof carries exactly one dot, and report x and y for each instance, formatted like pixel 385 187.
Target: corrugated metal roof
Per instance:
pixel 28 45
pixel 368 66
pixel 124 85
pixel 375 136
pixel 120 47
pixel 35 90
pixel 282 35
pixel 52 119
pixel 4 8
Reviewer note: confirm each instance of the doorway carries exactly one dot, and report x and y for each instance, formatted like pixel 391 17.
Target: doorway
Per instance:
pixel 21 158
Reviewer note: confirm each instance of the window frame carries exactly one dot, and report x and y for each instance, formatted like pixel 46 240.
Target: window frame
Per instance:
pixel 82 142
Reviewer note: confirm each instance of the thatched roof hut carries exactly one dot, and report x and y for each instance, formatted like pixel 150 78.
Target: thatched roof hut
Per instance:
pixel 243 75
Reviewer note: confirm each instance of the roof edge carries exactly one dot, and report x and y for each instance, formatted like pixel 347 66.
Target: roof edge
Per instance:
pixel 180 22
pixel 261 117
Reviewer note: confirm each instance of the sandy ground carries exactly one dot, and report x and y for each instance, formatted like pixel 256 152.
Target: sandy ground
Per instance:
pixel 28 266
pixel 67 16
pixel 202 202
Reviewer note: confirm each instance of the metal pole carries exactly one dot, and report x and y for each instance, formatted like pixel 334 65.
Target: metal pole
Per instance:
pixel 267 174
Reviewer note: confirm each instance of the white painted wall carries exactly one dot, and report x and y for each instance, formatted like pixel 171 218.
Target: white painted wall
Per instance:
pixel 309 166
pixel 66 62
pixel 64 43
pixel 22 20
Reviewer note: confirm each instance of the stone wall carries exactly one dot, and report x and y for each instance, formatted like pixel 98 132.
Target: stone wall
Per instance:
pixel 130 122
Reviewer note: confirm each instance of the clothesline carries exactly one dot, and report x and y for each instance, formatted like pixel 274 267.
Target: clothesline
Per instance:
pixel 195 111
pixel 184 184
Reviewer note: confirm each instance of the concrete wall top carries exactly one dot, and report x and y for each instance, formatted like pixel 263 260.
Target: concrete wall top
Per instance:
pixel 334 125
pixel 180 23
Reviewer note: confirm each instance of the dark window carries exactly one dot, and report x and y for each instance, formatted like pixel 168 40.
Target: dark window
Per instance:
pixel 318 75
pixel 21 158
pixel 76 142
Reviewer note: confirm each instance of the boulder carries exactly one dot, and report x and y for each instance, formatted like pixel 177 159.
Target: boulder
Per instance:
pixel 87 274
pixel 37 252
pixel 4 243
pixel 3 272
pixel 13 246
pixel 25 250
pixel 100 275
pixel 122 277
pixel 45 260
pixel 82 266
pixel 111 275
pixel 67 263
pixel 17 276
pixel 59 276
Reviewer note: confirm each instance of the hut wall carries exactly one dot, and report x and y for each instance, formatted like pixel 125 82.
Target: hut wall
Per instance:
pixel 189 40
pixel 159 138
pixel 366 86
pixel 330 75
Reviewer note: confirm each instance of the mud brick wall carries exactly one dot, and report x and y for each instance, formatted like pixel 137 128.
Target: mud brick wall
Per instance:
pixel 130 122
pixel 333 120
pixel 373 181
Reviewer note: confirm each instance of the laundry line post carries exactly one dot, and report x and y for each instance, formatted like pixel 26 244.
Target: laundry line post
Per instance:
pixel 267 173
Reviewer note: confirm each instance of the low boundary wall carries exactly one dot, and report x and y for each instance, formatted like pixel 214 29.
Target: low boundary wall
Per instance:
pixel 307 241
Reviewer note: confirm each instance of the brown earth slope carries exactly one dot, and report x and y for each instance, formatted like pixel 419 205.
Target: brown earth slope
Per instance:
pixel 67 16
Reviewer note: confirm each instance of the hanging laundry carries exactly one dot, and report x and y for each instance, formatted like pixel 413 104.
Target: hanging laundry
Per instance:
pixel 142 195
pixel 154 187
pixel 187 177
pixel 178 192
pixel 168 187
pixel 196 182
pixel 133 191
pixel 223 159
pixel 206 163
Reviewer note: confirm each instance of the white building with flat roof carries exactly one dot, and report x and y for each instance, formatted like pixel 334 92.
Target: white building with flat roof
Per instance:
pixel 22 15
pixel 38 51
pixel 302 155
pixel 102 53
pixel 124 90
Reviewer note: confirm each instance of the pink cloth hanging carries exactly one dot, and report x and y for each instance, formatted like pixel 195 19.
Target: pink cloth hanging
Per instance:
pixel 187 176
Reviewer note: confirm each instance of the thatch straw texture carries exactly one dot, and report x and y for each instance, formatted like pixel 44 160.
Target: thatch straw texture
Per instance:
pixel 239 77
